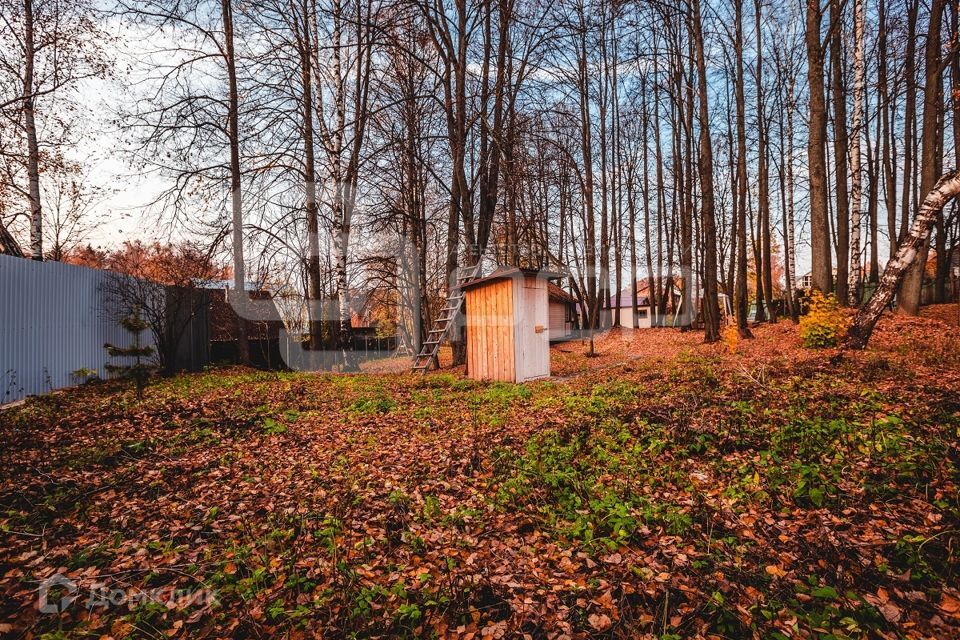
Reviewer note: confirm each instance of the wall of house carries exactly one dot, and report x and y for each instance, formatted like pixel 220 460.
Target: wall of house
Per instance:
pixel 644 317
pixel 560 327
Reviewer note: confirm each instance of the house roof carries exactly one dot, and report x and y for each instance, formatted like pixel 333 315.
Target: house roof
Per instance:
pixel 626 296
pixel 8 245
pixel 556 294
pixel 930 269
pixel 223 317
pixel 227 284
pixel 502 273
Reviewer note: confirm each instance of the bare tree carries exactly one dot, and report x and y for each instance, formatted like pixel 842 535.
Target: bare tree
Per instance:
pixel 856 178
pixel 742 303
pixel 909 251
pixel 711 307
pixel 822 259
pixel 930 157
pixel 47 50
pixel 191 135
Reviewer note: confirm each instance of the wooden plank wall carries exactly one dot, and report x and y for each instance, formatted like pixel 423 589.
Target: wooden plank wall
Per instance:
pixel 490 332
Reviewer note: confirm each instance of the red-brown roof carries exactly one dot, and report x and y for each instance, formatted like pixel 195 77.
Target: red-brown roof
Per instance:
pixel 223 319
pixel 557 294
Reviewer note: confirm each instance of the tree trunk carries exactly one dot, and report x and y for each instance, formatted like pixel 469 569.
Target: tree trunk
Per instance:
pixel 782 175
pixel 821 253
pixel 632 239
pixel 711 307
pixel 908 252
pixel 236 204
pixel 840 150
pixel 886 106
pixel 657 291
pixel 856 182
pixel 913 281
pixel 873 196
pixel 648 249
pixel 765 267
pixel 909 125
pixel 315 286
pixel 341 243
pixel 741 293
pixel 604 293
pixel 30 126
pixel 586 149
pixel 687 291
pixel 790 231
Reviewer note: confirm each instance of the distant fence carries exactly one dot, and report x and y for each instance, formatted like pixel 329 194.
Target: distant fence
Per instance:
pixel 54 320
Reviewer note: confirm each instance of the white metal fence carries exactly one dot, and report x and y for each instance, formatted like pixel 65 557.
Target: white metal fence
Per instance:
pixel 54 320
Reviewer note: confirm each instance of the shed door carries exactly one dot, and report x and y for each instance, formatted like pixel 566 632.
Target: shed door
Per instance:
pixel 532 330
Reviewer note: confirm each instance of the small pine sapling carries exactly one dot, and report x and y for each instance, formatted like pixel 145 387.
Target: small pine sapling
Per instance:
pixel 139 371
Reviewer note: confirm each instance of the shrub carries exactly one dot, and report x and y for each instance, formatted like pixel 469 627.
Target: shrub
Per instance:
pixel 825 324
pixel 731 337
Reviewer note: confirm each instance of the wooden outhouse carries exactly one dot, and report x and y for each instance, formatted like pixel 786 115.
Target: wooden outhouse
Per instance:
pixel 508 326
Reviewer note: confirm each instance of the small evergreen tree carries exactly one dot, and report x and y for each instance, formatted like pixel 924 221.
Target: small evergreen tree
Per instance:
pixel 139 371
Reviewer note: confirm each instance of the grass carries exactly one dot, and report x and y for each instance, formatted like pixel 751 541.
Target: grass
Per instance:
pixel 703 493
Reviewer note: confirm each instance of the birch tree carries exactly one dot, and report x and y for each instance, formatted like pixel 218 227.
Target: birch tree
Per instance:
pixel 47 50
pixel 856 182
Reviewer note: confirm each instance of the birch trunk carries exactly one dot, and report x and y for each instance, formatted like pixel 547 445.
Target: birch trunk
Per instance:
pixel 789 232
pixel 930 136
pixel 856 183
pixel 236 203
pixel 947 188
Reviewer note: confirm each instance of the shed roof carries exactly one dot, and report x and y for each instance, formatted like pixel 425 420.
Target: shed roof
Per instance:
pixel 502 273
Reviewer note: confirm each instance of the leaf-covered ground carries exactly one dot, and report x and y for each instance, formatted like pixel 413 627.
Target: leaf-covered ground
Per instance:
pixel 661 489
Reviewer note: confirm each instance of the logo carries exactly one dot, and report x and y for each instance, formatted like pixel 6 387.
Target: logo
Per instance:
pixel 56 585
pixel 58 592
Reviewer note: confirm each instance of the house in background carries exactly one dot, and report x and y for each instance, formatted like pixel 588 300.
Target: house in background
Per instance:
pixel 263 333
pixel 8 245
pixel 562 312
pixel 928 294
pixel 644 319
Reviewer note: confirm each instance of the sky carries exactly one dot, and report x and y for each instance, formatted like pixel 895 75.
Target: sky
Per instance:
pixel 127 212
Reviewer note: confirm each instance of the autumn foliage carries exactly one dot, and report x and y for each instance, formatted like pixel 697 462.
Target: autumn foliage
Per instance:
pixel 825 324
pixel 770 493
pixel 171 264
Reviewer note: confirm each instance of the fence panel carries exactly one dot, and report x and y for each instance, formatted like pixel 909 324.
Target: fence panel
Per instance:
pixel 54 320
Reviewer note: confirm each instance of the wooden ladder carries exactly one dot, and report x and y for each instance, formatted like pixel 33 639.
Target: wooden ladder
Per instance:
pixel 441 326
